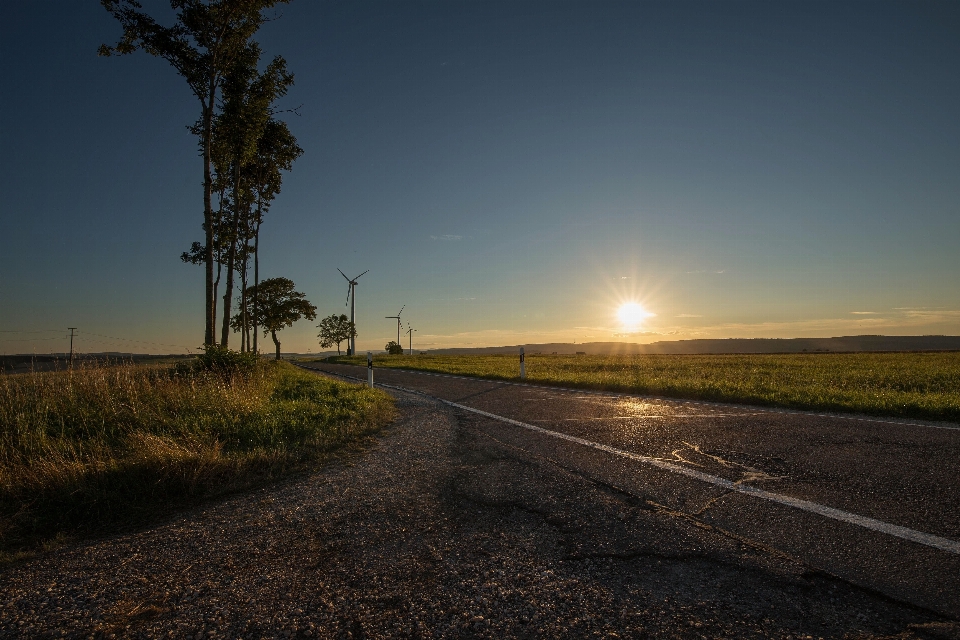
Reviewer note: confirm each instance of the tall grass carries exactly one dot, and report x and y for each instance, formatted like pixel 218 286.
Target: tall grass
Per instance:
pixel 88 448
pixel 918 385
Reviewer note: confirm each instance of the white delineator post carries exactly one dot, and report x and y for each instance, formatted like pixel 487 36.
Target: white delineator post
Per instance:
pixel 523 369
pixel 370 368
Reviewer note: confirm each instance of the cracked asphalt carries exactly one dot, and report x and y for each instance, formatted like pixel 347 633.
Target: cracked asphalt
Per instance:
pixel 452 524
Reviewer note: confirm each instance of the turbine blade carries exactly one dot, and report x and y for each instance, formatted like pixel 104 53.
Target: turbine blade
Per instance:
pixel 361 274
pixel 344 275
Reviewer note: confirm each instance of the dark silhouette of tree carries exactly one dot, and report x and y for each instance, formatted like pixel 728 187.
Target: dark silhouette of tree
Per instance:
pixel 247 108
pixel 393 348
pixel 204 44
pixel 277 150
pixel 335 329
pixel 280 306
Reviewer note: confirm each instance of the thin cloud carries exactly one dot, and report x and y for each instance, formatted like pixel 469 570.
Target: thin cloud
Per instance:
pixel 689 315
pixel 864 313
pixel 447 237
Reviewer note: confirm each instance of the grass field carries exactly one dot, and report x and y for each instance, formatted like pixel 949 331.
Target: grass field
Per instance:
pixel 915 385
pixel 105 445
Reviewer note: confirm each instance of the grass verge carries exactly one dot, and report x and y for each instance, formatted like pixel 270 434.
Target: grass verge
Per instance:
pixel 89 450
pixel 910 385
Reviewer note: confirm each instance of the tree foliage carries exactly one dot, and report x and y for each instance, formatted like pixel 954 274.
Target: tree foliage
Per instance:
pixel 393 348
pixel 280 305
pixel 207 41
pixel 335 329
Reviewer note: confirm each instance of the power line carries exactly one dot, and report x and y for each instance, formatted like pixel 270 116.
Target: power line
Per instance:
pixel 39 331
pixel 162 344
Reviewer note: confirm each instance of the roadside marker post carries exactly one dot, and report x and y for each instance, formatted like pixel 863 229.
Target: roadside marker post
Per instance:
pixel 523 368
pixel 370 368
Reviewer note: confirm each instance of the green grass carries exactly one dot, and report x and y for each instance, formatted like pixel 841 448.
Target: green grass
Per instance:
pixel 102 446
pixel 915 385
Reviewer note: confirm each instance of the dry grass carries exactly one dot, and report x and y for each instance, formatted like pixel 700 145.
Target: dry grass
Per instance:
pixel 88 449
pixel 916 385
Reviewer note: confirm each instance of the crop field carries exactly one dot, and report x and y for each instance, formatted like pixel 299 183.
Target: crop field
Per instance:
pixel 87 449
pixel 914 385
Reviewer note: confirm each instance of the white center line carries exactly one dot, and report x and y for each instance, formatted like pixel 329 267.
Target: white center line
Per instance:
pixel 905 533
pixel 937 542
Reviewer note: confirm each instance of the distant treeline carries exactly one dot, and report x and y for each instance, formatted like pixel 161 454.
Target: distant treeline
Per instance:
pixel 844 344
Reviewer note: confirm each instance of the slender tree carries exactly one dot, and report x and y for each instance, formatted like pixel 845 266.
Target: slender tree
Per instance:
pixel 280 306
pixel 202 45
pixel 247 108
pixel 277 150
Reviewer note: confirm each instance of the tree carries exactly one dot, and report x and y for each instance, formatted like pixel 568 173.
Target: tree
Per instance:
pixel 276 151
pixel 240 126
pixel 335 329
pixel 279 306
pixel 393 348
pixel 203 45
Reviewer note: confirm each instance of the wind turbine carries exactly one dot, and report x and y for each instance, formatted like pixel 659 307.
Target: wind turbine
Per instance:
pixel 397 318
pixel 410 331
pixel 352 301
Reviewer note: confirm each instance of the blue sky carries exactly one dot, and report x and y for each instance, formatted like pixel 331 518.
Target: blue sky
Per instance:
pixel 511 172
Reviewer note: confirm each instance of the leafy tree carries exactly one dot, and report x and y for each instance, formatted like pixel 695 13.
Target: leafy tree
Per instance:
pixel 277 149
pixel 335 329
pixel 393 348
pixel 247 108
pixel 279 306
pixel 203 45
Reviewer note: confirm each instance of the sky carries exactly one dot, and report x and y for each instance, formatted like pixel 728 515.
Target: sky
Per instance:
pixel 512 172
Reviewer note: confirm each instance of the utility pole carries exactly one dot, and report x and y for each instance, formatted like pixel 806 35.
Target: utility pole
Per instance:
pixel 72 329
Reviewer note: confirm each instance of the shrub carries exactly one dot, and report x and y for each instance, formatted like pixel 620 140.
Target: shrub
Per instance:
pixel 220 361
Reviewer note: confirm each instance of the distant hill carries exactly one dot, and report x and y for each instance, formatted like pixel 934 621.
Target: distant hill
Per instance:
pixel 733 345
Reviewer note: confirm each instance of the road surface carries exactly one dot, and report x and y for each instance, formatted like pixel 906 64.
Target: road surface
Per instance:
pixel 507 511
pixel 875 501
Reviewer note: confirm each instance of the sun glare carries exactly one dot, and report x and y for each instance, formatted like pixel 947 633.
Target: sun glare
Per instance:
pixel 631 314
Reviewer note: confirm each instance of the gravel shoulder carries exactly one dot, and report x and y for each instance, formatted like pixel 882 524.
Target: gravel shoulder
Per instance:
pixel 440 529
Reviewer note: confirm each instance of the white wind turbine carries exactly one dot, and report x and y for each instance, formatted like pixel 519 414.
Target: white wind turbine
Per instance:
pixel 352 301
pixel 397 318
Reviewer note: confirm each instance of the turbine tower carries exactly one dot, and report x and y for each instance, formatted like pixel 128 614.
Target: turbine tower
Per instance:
pixel 397 318
pixel 352 301
pixel 410 330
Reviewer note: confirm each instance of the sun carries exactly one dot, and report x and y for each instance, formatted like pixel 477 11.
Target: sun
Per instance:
pixel 632 314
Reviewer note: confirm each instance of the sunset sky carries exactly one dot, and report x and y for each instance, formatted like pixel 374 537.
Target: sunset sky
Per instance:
pixel 512 172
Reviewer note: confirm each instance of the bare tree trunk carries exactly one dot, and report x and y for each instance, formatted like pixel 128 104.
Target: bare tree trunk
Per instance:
pixel 231 257
pixel 216 286
pixel 276 342
pixel 216 283
pixel 210 296
pixel 256 280
pixel 245 335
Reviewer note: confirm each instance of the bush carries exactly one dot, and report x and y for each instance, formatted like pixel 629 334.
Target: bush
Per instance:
pixel 220 361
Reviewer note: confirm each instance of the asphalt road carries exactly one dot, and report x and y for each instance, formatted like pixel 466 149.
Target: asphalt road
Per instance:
pixel 872 501
pixel 504 511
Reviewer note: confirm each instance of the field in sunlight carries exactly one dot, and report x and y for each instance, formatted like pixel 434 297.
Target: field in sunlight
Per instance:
pixel 916 385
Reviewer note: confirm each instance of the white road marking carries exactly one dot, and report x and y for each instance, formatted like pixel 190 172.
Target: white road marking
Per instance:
pixel 905 533
pixel 943 544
